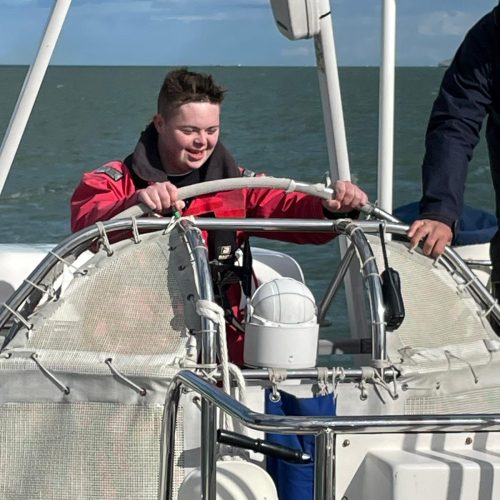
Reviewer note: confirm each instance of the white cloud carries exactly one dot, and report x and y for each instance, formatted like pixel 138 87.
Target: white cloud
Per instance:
pixel 17 3
pixel 219 16
pixel 444 23
pixel 296 52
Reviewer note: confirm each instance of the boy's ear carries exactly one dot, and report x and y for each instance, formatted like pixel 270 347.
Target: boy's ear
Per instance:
pixel 158 122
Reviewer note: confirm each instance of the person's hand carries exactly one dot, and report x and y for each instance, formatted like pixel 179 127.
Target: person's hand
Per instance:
pixel 435 235
pixel 160 197
pixel 348 197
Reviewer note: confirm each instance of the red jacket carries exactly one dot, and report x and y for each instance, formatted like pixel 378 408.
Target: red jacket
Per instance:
pixel 100 196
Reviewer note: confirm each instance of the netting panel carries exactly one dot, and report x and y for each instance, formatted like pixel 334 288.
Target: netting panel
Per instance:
pixel 436 314
pixel 485 400
pixel 129 303
pixel 81 451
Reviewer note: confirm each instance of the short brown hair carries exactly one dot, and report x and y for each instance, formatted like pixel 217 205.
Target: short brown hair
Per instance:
pixel 182 86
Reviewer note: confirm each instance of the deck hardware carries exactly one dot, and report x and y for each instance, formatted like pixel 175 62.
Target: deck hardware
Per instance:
pixel 63 388
pixel 140 390
pixel 468 440
pixel 346 443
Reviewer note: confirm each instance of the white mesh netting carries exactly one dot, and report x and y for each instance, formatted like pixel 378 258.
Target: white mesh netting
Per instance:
pixel 441 322
pixel 57 451
pixel 129 303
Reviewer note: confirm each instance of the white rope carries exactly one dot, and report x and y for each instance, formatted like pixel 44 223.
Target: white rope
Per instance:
pixel 276 375
pixel 135 230
pixel 368 260
pixel 215 313
pixel 62 387
pixel 450 356
pixel 23 320
pixel 140 390
pixel 67 263
pixel 461 287
pixel 43 289
pixel 482 314
pixel 437 261
pixel 103 238
pixel 240 383
pixel 171 224
pixel 378 380
pixel 322 381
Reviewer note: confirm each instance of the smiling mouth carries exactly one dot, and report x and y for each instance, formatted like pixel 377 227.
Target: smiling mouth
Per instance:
pixel 196 154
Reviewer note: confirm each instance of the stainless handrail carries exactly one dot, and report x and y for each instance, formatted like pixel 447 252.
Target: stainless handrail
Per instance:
pixel 335 283
pixel 201 269
pixel 310 425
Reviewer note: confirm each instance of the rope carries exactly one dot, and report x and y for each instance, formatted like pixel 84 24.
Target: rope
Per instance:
pixel 43 289
pixel 63 388
pixel 124 379
pixel 461 287
pixel 215 313
pixel 450 356
pixel 482 314
pixel 103 238
pixel 322 381
pixel 276 375
pixel 69 264
pixel 368 260
pixel 135 230
pixel 240 382
pixel 23 320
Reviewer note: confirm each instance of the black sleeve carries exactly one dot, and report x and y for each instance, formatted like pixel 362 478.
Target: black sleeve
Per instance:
pixel 463 101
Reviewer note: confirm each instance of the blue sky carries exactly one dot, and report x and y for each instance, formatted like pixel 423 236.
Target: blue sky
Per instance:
pixel 228 32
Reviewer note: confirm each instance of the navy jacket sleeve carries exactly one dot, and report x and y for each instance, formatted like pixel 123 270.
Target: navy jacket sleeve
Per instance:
pixel 455 123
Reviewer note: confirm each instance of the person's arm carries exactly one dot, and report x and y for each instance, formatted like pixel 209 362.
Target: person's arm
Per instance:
pixel 269 203
pixel 453 131
pixel 100 196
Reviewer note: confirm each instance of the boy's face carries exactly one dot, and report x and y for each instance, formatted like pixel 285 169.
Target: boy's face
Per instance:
pixel 187 139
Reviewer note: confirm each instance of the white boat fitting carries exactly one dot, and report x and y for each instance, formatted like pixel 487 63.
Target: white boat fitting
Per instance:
pixel 115 382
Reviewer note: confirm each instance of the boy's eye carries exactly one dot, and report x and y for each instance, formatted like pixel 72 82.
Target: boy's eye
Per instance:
pixel 212 130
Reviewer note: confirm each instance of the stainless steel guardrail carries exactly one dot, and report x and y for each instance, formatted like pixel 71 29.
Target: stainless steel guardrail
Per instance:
pixel 325 429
